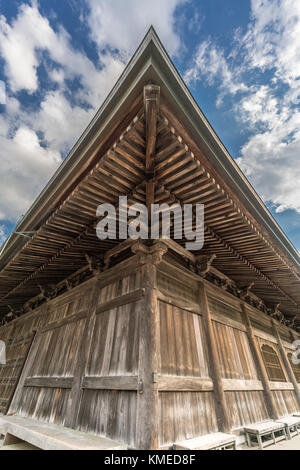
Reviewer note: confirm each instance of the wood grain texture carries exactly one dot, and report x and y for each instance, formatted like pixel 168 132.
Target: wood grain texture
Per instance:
pixel 184 415
pixel 245 407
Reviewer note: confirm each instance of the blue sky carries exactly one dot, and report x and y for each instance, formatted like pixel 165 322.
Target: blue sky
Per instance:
pixel 240 59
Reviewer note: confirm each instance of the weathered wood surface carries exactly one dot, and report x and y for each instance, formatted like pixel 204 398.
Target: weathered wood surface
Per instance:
pixel 131 344
pixel 261 368
pixel 287 363
pixel 18 338
pixel 222 411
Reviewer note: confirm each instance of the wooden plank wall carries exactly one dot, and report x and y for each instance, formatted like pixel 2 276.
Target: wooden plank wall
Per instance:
pixel 50 376
pixel 183 414
pixel 18 336
pixel 83 366
pixel 113 359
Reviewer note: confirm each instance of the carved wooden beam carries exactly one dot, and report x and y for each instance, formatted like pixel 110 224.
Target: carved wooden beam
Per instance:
pixel 203 264
pixel 95 264
pixel 151 107
pixel 246 291
pixel 277 314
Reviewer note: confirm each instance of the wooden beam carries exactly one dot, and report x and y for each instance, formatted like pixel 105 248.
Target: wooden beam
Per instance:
pixel 269 400
pixel 241 385
pixel 65 321
pixel 177 248
pixel 167 383
pixel 121 300
pixel 49 382
pixel 126 382
pixel 214 366
pixel 151 107
pixel 286 362
pixel 281 386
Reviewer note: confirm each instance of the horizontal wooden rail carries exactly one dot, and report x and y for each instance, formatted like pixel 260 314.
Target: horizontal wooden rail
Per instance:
pixel 121 300
pixel 183 384
pixel 281 386
pixel 184 304
pixel 65 321
pixel 49 382
pixel 119 382
pixel 186 384
pixel 236 385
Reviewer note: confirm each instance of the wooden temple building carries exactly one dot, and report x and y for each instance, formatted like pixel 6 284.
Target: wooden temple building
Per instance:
pixel 142 341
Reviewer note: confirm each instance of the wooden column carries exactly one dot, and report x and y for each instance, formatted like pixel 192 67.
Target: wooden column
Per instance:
pixel 214 366
pixel 147 425
pixel 269 400
pixel 286 362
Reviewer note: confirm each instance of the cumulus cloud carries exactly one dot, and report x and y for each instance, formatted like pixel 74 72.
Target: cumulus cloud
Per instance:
pixel 29 34
pixel 2 234
pixel 211 64
pixel 25 168
pixel 269 107
pixel 33 142
pixel 122 24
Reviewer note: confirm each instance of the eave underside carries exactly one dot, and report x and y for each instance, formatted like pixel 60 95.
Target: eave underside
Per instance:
pixel 66 243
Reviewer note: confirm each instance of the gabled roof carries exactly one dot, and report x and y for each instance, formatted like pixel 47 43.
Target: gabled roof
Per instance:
pixel 180 111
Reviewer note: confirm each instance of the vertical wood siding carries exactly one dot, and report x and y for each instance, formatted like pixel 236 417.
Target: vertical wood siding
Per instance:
pixel 184 415
pixel 183 352
pixel 109 413
pixel 286 402
pixel 113 351
pixel 246 407
pixel 18 338
pixel 44 404
pixel 234 353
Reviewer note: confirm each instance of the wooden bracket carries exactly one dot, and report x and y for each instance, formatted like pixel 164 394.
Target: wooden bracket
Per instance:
pixel 95 264
pixel 154 252
pixel 246 291
pixel 203 264
pixel 277 314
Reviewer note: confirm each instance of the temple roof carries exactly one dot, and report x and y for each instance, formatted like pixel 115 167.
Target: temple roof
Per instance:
pixel 191 165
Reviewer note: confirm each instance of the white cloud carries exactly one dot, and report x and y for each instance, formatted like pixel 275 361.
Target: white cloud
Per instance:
pixel 273 39
pixel 59 121
pixel 267 106
pixel 2 234
pixel 25 169
pixel 272 164
pixel 210 63
pixel 122 24
pixel 26 163
pixel 32 143
pixel 30 33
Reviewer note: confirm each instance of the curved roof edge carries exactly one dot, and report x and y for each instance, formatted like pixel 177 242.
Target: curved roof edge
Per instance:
pixel 150 60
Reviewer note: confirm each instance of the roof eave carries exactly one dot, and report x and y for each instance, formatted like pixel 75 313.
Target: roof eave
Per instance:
pixel 151 62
